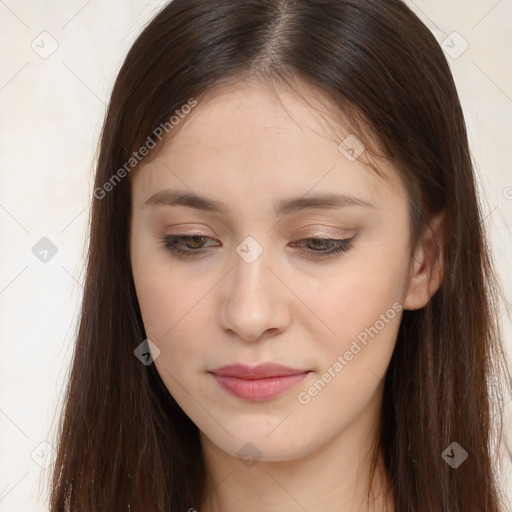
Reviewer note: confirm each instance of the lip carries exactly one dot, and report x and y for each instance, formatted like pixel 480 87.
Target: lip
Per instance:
pixel 257 383
pixel 259 371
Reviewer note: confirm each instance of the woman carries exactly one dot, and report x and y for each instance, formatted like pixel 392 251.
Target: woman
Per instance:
pixel 289 302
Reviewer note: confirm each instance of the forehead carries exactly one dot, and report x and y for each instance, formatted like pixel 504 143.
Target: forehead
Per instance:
pixel 248 143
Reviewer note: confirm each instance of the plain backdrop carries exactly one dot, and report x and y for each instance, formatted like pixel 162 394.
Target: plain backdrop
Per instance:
pixel 59 61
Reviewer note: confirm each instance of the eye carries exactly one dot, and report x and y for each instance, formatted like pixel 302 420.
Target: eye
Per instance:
pixel 192 242
pixel 326 247
pixel 194 246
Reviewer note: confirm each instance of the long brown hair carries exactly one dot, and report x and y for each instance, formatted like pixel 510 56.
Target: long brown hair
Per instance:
pixel 123 442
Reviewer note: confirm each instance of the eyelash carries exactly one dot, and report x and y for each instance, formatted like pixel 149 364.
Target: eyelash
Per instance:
pixel 170 242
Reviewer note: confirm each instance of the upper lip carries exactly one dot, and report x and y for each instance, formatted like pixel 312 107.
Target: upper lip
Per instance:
pixel 259 371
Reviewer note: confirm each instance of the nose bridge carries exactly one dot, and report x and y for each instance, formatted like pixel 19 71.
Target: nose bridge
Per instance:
pixel 251 300
pixel 250 278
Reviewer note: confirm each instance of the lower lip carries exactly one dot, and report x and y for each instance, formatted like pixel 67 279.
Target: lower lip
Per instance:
pixel 258 390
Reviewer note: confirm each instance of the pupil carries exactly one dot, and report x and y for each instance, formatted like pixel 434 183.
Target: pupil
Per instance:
pixel 318 243
pixel 196 241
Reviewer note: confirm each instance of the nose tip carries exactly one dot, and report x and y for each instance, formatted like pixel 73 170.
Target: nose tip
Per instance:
pixel 253 305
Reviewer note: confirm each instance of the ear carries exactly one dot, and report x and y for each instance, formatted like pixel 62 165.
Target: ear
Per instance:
pixel 426 265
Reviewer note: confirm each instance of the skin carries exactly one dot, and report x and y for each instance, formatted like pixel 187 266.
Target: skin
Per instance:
pixel 244 147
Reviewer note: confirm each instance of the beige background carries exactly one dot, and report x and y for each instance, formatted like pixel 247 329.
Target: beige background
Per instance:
pixel 52 108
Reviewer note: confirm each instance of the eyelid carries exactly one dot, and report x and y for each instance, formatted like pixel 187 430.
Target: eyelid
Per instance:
pixel 312 230
pixel 299 237
pixel 338 233
pixel 341 245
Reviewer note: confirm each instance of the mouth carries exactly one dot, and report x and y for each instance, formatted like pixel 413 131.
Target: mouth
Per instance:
pixel 257 383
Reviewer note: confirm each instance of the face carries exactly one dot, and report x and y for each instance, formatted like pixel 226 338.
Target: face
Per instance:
pixel 317 288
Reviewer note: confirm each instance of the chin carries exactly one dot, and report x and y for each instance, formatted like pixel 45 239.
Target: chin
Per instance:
pixel 258 446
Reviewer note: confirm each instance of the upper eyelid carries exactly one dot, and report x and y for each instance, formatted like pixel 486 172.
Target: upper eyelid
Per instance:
pixel 316 232
pixel 318 236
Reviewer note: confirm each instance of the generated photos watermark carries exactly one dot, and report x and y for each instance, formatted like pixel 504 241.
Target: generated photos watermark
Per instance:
pixel 137 156
pixel 305 397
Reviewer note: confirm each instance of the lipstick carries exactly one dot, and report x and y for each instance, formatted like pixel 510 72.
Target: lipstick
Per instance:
pixel 257 383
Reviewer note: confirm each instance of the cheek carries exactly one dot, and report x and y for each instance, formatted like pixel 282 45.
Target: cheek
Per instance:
pixel 362 307
pixel 175 320
pixel 363 318
pixel 364 313
pixel 169 304
pixel 174 306
pixel 353 299
pixel 160 296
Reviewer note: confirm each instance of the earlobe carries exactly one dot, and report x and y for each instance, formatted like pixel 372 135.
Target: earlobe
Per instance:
pixel 427 266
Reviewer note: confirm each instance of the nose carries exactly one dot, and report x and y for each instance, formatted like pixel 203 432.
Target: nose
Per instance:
pixel 254 299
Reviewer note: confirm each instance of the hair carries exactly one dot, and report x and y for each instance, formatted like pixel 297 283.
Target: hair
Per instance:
pixel 123 441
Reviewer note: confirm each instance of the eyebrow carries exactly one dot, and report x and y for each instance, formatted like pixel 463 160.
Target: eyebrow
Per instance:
pixel 282 207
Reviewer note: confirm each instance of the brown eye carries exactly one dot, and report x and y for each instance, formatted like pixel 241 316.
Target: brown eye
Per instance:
pixel 325 247
pixel 185 245
pixel 195 241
